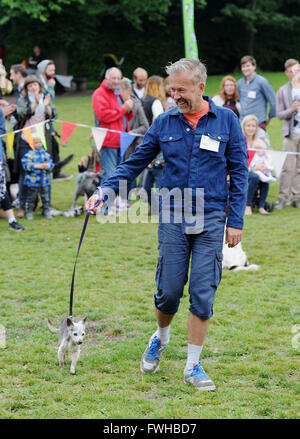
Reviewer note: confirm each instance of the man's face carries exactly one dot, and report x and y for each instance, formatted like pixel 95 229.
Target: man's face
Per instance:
pixel 50 71
pixel 296 72
pixel 185 93
pixel 14 77
pixel 248 69
pixel 113 80
pixel 140 80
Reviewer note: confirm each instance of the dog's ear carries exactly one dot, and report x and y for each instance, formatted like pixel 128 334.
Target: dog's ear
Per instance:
pixel 84 320
pixel 69 322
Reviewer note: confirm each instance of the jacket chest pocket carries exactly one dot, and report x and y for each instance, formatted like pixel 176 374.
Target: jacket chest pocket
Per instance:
pixel 171 144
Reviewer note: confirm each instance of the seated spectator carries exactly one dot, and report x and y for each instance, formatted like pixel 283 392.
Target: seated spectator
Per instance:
pixel 37 165
pixel 228 95
pixel 251 131
pixel 261 163
pixel 32 107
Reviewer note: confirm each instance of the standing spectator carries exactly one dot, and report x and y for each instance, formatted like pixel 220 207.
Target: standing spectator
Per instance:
pixel 33 61
pixel 140 77
pixel 46 70
pixel 37 165
pixel 32 107
pixel 288 109
pixel 18 74
pixel 113 113
pixel 228 95
pixel 255 93
pixel 251 131
pixel 5 203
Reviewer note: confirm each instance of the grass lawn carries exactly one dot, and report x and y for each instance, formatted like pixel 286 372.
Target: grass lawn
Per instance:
pixel 248 351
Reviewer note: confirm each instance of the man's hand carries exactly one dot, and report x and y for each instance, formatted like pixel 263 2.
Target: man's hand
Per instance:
pixel 233 236
pixel 91 202
pixel 128 104
pixel 295 106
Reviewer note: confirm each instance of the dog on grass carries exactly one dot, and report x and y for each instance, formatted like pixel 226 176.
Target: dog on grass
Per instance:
pixel 71 335
pixel 87 182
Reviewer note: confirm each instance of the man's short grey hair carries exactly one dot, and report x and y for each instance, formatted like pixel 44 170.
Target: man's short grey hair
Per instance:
pixel 194 66
pixel 107 73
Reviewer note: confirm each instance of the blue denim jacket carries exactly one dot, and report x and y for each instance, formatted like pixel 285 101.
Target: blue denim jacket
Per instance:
pixel 189 166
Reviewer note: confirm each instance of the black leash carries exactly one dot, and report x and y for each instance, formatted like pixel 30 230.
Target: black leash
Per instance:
pixel 79 245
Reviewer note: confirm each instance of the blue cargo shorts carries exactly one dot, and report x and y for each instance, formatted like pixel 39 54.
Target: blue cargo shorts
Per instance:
pixel 176 250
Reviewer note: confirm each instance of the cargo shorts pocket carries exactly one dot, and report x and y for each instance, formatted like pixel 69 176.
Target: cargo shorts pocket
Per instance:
pixel 218 268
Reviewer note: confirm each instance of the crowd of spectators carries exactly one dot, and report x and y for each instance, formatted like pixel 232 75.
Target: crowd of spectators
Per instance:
pixel 131 105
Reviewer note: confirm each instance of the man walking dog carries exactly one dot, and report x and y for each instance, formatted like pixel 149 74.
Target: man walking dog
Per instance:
pixel 201 144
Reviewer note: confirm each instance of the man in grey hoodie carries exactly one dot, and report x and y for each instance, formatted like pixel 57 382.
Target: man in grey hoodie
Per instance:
pixel 288 109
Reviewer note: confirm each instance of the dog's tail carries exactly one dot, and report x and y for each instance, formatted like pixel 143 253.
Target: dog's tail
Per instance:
pixel 247 267
pixel 51 327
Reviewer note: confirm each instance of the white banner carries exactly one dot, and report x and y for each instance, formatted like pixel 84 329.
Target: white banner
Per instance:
pixel 278 159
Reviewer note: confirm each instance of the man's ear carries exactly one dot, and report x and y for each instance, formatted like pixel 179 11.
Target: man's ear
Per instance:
pixel 69 322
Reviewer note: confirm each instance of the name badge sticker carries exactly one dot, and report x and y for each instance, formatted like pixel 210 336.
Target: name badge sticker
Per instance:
pixel 209 144
pixel 252 94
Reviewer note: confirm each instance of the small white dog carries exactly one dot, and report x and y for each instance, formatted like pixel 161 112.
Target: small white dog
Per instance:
pixel 71 334
pixel 235 258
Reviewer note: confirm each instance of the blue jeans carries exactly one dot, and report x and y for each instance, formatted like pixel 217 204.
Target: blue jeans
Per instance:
pixel 154 175
pixel 175 251
pixel 110 159
pixel 24 148
pixel 254 183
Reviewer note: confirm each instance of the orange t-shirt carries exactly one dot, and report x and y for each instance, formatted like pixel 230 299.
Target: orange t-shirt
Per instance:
pixel 193 118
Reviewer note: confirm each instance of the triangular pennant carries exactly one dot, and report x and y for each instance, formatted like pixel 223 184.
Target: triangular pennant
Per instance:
pixel 251 153
pixel 27 134
pixel 99 136
pixel 126 139
pixel 67 130
pixel 40 131
pixel 278 159
pixel 10 142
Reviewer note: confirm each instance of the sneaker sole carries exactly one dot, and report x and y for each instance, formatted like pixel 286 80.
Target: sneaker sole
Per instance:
pixel 148 371
pixel 210 388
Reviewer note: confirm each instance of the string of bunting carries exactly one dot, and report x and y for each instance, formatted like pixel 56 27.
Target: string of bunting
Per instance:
pixel 99 134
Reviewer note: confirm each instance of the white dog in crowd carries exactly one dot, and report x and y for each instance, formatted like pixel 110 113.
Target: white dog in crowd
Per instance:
pixel 235 258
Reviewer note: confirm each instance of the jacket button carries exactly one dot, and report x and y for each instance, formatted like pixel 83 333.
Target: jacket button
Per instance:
pixel 171 138
pixel 188 129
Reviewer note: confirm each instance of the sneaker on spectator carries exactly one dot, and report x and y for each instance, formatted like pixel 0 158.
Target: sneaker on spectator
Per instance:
pixel 16 226
pixel 47 214
pixel 29 215
pixel 61 176
pixel 151 357
pixel 198 378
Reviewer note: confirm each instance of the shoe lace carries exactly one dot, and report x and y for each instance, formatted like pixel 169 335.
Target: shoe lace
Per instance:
pixel 198 371
pixel 154 348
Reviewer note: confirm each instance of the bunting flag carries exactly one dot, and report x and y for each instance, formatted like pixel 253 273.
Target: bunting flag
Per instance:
pixel 278 159
pixel 10 142
pixel 251 153
pixel 99 136
pixel 27 134
pixel 40 131
pixel 125 139
pixel 67 130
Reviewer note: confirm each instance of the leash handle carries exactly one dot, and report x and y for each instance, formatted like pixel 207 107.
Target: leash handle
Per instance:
pixel 79 245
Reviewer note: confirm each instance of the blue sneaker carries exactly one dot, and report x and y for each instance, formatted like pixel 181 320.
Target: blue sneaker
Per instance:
pixel 151 356
pixel 198 378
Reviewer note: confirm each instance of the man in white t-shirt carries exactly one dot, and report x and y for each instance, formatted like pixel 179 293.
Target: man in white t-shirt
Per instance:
pixel 140 77
pixel 288 109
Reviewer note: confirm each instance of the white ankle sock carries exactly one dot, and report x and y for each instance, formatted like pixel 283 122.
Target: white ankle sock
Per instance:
pixel 194 352
pixel 163 334
pixel 11 220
